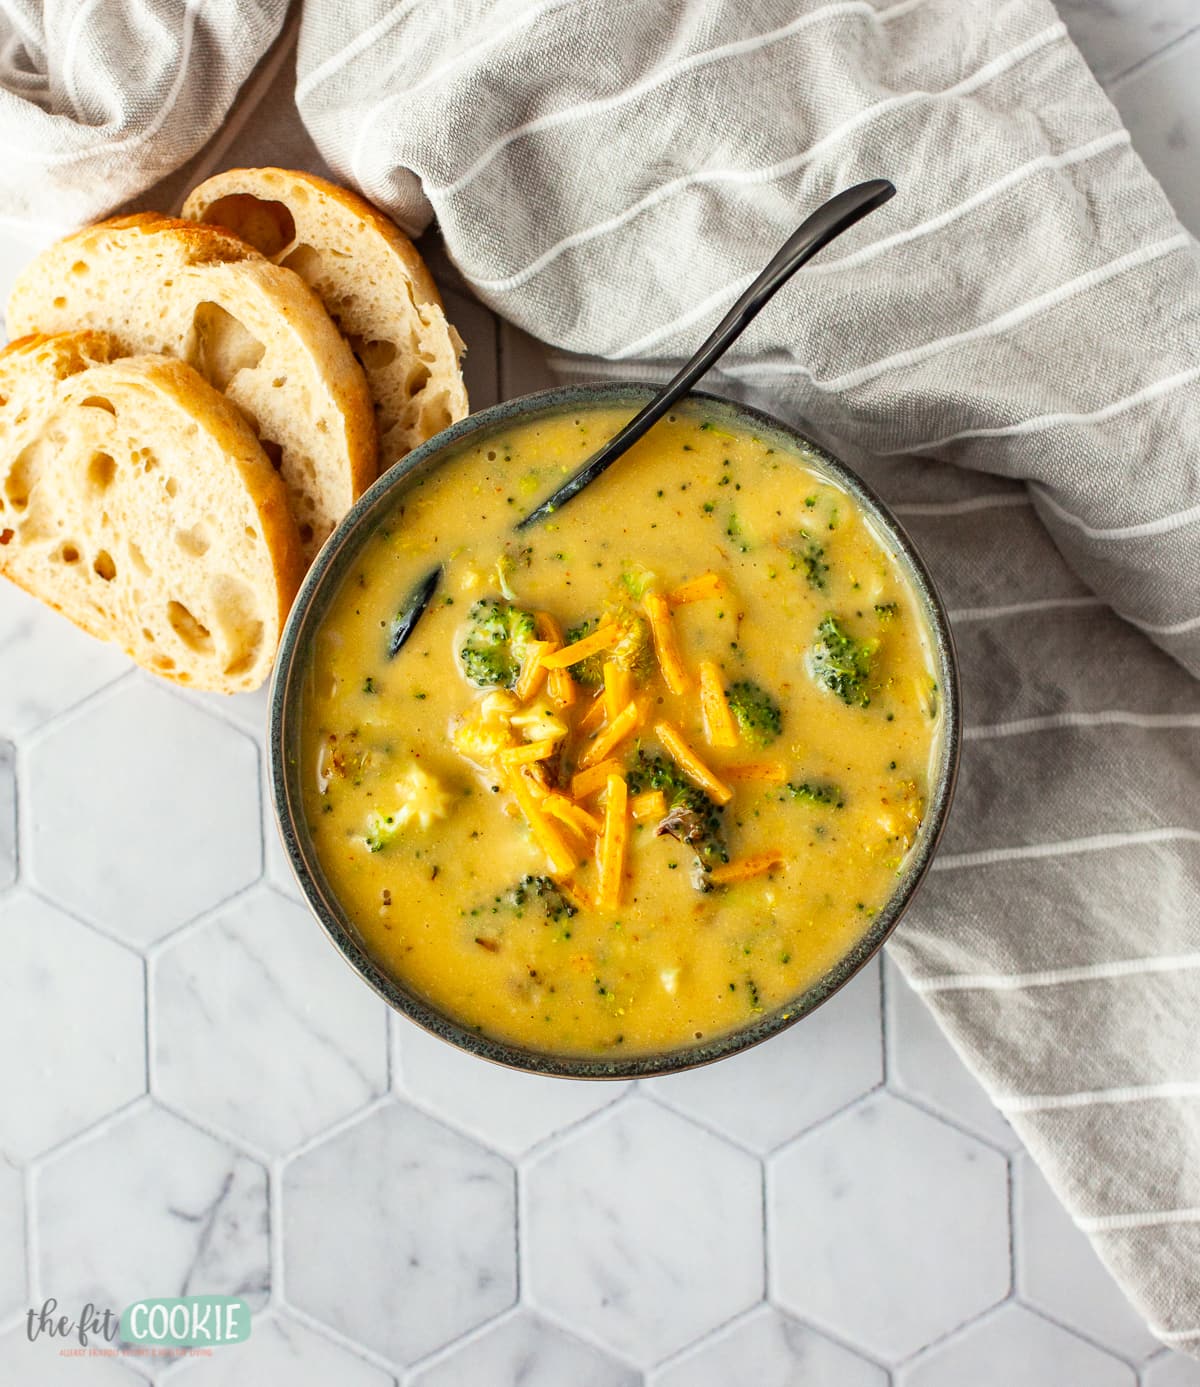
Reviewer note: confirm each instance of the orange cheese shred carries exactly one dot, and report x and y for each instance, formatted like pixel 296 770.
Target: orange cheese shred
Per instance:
pixel 691 764
pixel 719 726
pixel 618 689
pixel 588 782
pixel 773 772
pixel 613 843
pixel 560 857
pixel 621 726
pixel 533 672
pixel 603 639
pixel 528 751
pixel 650 805
pixel 743 868
pixel 666 646
pixel 594 715
pixel 575 816
pixel 560 686
pixel 697 589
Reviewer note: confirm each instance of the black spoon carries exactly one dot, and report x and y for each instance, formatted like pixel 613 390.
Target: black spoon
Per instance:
pixel 813 234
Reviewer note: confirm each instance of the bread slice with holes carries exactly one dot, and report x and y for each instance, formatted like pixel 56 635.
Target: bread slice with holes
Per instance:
pixel 253 330
pixel 135 500
pixel 369 276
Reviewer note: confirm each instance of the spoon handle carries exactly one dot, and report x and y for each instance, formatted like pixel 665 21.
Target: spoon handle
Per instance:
pixel 815 232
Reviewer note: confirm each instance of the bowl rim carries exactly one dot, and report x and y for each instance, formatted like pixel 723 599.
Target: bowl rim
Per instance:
pixel 322 581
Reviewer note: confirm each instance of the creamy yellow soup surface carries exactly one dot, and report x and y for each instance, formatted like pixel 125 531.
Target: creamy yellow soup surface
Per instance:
pixel 738 595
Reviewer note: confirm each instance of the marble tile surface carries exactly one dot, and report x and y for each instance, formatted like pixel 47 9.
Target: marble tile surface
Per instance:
pixel 12 1238
pixel 643 1230
pixel 767 1095
pixel 282 1350
pixel 769 1350
pixel 839 1208
pixel 8 814
pixel 71 1005
pixel 887 1227
pixel 149 1201
pixel 506 1109
pixel 399 1233
pixel 1016 1346
pixel 92 836
pixel 1157 101
pixel 260 1028
pixel 524 1349
pixel 1059 1272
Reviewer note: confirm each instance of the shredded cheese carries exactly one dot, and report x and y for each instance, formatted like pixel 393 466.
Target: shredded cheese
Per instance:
pixel 691 764
pixel 666 647
pixel 621 726
pixel 613 844
pixel 743 868
pixel 587 782
pixel 618 689
pixel 774 772
pixel 545 834
pixel 697 589
pixel 650 805
pixel 603 639
pixel 560 686
pixel 530 751
pixel 719 726
pixel 533 672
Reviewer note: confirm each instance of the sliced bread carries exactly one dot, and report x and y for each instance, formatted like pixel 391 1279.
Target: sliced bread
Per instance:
pixel 371 279
pixel 135 500
pixel 252 329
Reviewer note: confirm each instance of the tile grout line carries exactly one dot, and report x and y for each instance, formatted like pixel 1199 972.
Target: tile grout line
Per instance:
pixel 1111 84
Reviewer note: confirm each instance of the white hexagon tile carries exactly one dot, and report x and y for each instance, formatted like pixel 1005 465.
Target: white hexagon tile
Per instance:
pixel 399 1233
pixel 644 1230
pixel 888 1228
pixel 260 1028
pixel 114 838
pixel 71 1003
pixel 196 1095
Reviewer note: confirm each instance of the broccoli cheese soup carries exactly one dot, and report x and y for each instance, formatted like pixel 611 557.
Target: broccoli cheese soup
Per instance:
pixel 641 773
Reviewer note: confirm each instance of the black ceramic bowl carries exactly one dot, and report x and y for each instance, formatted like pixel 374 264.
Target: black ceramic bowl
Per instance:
pixel 296 651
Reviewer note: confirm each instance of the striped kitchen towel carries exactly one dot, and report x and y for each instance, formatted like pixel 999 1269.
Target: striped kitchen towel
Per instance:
pixel 1009 352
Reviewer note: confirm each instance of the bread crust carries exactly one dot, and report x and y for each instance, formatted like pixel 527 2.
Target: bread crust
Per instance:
pixel 169 271
pixel 51 381
pixel 322 214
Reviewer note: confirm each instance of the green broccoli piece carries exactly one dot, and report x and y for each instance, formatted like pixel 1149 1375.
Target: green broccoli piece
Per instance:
pixel 759 717
pixel 808 554
pixel 826 796
pixel 539 895
pixel 381 829
pixel 497 642
pixel 886 611
pixel 842 664
pixel 692 818
pixel 634 651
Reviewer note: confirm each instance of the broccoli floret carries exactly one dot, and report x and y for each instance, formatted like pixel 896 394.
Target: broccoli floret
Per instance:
pixel 809 555
pixel 758 716
pixel 497 641
pixel 540 895
pixel 842 664
pixel 420 800
pixel 692 818
pixel 634 651
pixel 826 796
pixel 886 611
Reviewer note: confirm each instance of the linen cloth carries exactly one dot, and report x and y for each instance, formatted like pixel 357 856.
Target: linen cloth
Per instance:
pixel 1009 352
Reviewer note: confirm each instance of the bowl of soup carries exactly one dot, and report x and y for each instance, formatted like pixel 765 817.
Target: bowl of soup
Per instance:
pixel 648 781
